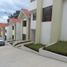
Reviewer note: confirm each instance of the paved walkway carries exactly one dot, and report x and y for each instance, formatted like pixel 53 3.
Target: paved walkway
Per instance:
pixel 13 57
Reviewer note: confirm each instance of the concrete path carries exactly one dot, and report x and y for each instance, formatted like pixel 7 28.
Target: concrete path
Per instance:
pixel 13 57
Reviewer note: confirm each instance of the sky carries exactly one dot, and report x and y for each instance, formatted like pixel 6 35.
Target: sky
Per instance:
pixel 8 7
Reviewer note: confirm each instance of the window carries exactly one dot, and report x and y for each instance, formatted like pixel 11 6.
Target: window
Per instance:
pixel 34 16
pixel 47 14
pixel 12 27
pixel 5 31
pixel 0 32
pixel 32 0
pixel 24 23
pixel 12 37
pixel 23 36
pixel 5 37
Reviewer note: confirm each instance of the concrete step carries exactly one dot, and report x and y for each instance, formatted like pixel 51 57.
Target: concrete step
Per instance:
pixel 17 44
pixel 20 45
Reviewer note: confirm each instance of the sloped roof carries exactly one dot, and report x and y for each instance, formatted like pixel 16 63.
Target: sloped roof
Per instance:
pixel 3 24
pixel 14 20
pixel 25 12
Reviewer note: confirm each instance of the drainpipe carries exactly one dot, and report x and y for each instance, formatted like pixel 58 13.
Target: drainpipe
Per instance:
pixel 38 21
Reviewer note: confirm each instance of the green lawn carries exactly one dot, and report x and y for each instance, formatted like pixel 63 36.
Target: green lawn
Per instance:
pixel 34 46
pixel 60 48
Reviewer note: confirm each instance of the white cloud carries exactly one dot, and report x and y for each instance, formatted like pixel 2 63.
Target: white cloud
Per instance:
pixel 10 6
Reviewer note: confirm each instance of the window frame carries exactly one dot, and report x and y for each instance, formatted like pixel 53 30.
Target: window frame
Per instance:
pixel 47 14
pixel 23 36
pixel 12 27
pixel 12 37
pixel 34 16
pixel 24 23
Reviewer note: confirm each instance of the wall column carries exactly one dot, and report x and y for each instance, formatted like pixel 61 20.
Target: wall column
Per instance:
pixel 56 20
pixel 38 21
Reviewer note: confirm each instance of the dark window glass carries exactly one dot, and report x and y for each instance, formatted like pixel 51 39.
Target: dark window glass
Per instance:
pixel 12 27
pixel 23 36
pixel 34 16
pixel 5 37
pixel 13 37
pixel 0 32
pixel 47 14
pixel 32 0
pixel 8 20
pixel 5 31
pixel 24 23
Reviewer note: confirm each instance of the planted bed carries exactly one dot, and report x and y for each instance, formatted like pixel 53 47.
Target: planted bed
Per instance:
pixel 59 48
pixel 33 46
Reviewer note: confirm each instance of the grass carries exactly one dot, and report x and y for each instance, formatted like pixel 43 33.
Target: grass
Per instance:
pixel 59 47
pixel 34 46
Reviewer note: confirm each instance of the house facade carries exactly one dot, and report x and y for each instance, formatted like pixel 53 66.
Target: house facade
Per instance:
pixel 2 30
pixel 2 33
pixel 46 25
pixel 50 25
pixel 46 21
pixel 10 31
pixel 23 27
pixel 18 29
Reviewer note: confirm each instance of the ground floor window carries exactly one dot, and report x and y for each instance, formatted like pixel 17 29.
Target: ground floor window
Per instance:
pixel 5 37
pixel 23 36
pixel 12 37
pixel 12 27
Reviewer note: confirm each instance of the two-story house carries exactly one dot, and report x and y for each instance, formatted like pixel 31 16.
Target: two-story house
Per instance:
pixel 19 27
pixel 49 27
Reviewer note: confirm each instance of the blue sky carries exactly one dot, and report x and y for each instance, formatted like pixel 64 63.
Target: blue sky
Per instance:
pixel 10 6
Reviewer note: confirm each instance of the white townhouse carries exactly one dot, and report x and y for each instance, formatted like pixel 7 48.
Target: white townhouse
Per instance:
pixel 48 21
pixel 11 30
pixel 47 24
pixel 18 28
pixel 23 27
pixel 2 30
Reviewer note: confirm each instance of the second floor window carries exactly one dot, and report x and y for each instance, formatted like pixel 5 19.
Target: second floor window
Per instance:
pixel 12 37
pixel 47 14
pixel 24 23
pixel 12 27
pixel 32 0
pixel 5 31
pixel 23 36
pixel 34 16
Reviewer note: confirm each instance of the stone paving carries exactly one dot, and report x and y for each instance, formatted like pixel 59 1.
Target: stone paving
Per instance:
pixel 13 57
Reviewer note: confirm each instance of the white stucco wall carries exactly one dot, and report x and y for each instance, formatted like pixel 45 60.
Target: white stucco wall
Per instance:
pixel 24 30
pixel 45 32
pixel 33 5
pixel 32 35
pixel 47 3
pixel 46 26
pixel 64 22
pixel 33 23
pixel 9 33
pixel 6 28
pixel 18 31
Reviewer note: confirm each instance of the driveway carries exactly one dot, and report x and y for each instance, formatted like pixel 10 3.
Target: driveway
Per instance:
pixel 13 57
